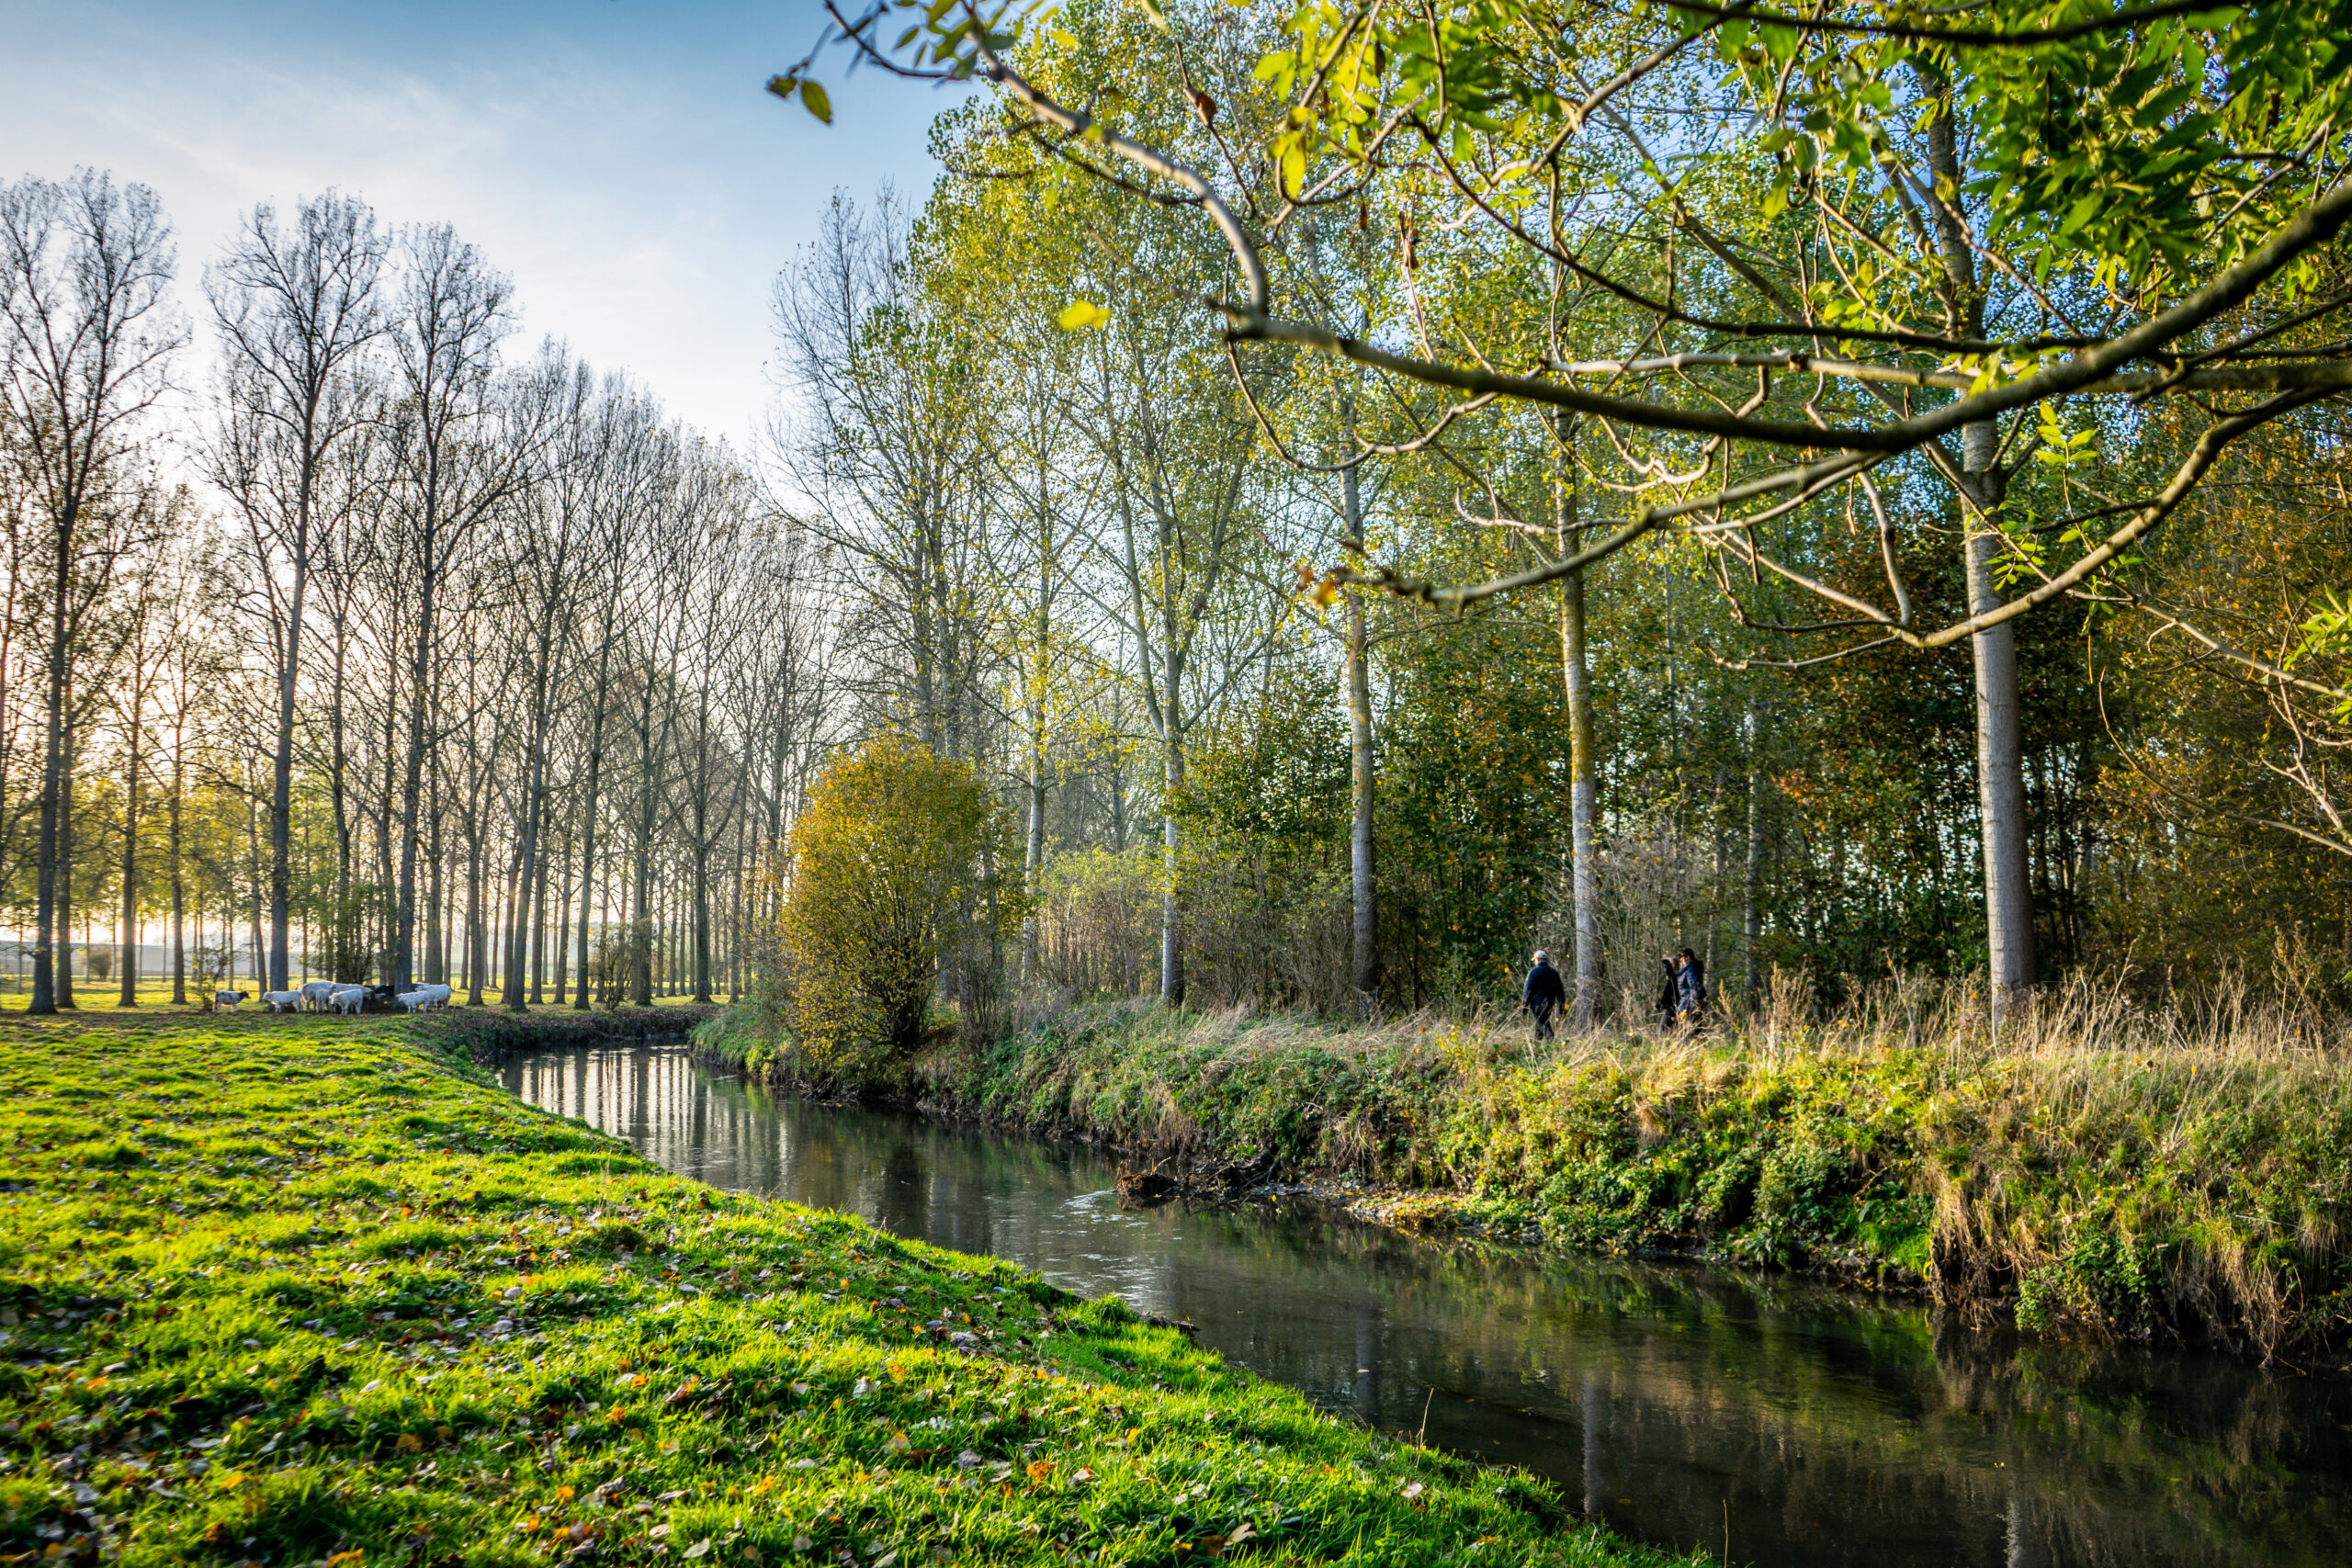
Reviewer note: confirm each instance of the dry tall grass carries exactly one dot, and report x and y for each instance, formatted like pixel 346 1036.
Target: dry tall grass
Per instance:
pixel 2100 1164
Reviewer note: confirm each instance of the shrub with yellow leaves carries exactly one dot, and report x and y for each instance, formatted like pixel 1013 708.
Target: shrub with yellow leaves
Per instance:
pixel 899 868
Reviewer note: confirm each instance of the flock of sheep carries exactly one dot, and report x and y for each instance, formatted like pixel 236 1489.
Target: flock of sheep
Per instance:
pixel 337 996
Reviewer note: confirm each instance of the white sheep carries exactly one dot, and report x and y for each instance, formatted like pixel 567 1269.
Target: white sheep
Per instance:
pixel 414 1001
pixel 282 1001
pixel 437 996
pixel 316 993
pixel 226 1001
pixel 348 999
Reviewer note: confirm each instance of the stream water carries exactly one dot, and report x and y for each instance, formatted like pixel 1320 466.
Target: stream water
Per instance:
pixel 1808 1428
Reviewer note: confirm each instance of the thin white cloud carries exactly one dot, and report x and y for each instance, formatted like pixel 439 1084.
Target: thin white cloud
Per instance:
pixel 641 197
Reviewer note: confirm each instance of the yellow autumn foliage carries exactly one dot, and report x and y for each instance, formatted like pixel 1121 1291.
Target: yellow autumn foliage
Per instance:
pixel 898 865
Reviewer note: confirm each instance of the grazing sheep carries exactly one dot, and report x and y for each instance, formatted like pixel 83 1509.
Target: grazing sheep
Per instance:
pixel 282 1001
pixel 348 999
pixel 316 993
pixel 226 1001
pixel 414 1001
pixel 437 996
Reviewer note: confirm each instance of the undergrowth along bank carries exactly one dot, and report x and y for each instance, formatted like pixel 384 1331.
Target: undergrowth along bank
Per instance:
pixel 283 1292
pixel 2096 1170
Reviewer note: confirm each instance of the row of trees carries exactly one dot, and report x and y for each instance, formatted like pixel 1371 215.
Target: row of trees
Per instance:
pixel 1371 495
pixel 417 654
pixel 1846 490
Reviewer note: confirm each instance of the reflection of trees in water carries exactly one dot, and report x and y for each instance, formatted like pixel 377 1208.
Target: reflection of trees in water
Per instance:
pixel 1832 1428
pixel 1838 1418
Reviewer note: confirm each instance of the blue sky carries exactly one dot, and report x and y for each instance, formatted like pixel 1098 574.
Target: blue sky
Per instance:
pixel 617 157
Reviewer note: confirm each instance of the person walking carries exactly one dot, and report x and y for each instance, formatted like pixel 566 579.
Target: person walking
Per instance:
pixel 1543 994
pixel 1690 988
pixel 1669 992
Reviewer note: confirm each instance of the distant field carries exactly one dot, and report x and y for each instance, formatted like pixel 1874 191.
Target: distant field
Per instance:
pixel 101 995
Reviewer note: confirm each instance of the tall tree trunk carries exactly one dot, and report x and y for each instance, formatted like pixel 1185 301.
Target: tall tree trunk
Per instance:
pixel 644 934
pixel 345 961
pixel 1584 761
pixel 510 899
pixel 65 875
pixel 1366 927
pixel 436 949
pixel 1033 856
pixel 127 958
pixel 281 787
pixel 702 903
pixel 2000 754
pixel 403 932
pixel 179 883
pixel 1751 921
pixel 48 921
pixel 562 927
pixel 538 963
pixel 581 1000
pixel 2000 751
pixel 474 940
pixel 1171 905
pixel 259 885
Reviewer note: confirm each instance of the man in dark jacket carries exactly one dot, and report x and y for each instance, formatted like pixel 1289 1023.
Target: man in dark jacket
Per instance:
pixel 1545 994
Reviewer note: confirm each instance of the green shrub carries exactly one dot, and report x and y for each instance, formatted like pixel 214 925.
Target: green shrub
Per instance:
pixel 896 864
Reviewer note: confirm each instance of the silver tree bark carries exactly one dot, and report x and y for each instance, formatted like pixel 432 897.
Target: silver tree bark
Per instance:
pixel 1584 781
pixel 1365 926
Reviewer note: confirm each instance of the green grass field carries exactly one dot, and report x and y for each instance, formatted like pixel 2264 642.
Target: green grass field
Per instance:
pixel 102 997
pixel 309 1295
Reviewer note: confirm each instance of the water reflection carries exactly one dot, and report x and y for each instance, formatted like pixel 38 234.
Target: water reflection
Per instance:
pixel 1682 1405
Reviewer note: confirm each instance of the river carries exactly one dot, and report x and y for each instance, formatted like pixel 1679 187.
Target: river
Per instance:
pixel 1765 1419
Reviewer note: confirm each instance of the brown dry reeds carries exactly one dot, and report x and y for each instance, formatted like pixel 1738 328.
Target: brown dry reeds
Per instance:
pixel 2100 1164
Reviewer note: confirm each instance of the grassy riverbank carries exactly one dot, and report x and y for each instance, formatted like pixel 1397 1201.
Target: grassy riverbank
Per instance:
pixel 286 1292
pixel 2096 1170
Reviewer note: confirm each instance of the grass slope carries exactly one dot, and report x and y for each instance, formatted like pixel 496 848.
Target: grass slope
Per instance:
pixel 288 1292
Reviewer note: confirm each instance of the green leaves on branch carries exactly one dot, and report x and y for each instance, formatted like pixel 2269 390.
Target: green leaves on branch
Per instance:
pixel 812 94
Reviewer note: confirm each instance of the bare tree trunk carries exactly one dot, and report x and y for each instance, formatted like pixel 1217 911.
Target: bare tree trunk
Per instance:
pixel 345 964
pixel 1751 921
pixel 563 928
pixel 65 876
pixel 281 788
pixel 2000 760
pixel 260 883
pixel 1032 858
pixel 1584 777
pixel 2000 752
pixel 1171 907
pixel 436 951
pixel 596 694
pixel 701 912
pixel 1365 926
pixel 128 959
pixel 474 939
pixel 179 883
pixel 403 932
pixel 538 929
pixel 49 919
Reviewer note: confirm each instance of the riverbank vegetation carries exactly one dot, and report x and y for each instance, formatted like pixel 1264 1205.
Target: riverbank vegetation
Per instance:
pixel 279 1294
pixel 2093 1168
pixel 1668 482
pixel 1304 685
